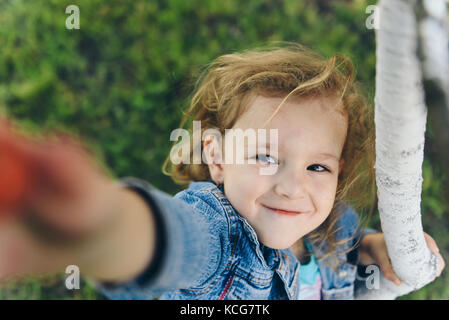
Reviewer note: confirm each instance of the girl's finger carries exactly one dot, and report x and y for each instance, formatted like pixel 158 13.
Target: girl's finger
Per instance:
pixel 390 275
pixel 431 243
pixel 386 267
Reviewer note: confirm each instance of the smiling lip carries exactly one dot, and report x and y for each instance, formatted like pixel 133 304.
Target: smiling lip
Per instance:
pixel 280 211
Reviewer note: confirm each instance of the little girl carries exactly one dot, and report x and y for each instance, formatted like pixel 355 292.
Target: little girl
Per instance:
pixel 234 233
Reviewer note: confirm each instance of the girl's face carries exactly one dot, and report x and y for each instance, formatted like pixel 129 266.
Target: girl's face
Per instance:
pixel 311 135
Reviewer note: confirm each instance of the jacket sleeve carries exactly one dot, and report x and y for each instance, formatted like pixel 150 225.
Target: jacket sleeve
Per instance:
pixel 351 219
pixel 189 246
pixel 361 277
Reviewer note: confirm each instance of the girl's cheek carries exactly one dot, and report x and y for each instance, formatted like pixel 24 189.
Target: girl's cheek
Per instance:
pixel 325 192
pixel 326 183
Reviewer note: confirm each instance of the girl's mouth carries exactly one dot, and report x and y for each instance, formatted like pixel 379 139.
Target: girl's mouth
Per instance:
pixel 286 212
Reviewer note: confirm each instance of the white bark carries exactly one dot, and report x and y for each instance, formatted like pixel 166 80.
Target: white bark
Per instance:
pixel 400 117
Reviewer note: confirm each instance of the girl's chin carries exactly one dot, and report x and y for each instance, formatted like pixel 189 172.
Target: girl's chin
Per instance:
pixel 276 244
pixel 280 241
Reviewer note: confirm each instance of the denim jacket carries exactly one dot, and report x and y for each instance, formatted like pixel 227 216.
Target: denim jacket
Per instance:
pixel 207 251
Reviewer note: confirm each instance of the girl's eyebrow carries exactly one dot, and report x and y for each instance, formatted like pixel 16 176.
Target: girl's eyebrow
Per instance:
pixel 328 155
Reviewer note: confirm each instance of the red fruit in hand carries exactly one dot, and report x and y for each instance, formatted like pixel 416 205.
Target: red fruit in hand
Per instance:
pixel 14 175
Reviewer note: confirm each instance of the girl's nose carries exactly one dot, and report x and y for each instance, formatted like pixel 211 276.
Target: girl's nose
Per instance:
pixel 291 184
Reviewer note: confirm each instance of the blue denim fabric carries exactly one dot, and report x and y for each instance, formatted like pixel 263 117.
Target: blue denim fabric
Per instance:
pixel 207 251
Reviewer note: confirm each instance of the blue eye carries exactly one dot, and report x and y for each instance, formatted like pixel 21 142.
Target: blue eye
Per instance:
pixel 318 165
pixel 265 159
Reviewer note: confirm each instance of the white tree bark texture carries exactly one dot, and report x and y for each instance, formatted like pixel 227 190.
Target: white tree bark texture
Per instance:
pixel 400 117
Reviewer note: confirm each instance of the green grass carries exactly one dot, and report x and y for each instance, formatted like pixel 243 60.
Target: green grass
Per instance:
pixel 50 287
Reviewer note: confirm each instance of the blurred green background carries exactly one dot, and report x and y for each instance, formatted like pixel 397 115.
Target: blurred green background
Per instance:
pixel 122 79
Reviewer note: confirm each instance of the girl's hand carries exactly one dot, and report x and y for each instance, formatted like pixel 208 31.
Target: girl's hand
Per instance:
pixel 52 192
pixel 373 250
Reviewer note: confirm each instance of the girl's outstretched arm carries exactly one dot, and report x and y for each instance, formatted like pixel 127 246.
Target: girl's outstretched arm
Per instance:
pixel 128 237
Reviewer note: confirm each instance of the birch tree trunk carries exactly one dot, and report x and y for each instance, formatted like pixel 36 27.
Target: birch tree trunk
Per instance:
pixel 400 117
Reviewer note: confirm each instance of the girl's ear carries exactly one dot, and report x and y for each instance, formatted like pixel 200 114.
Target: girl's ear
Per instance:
pixel 212 155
